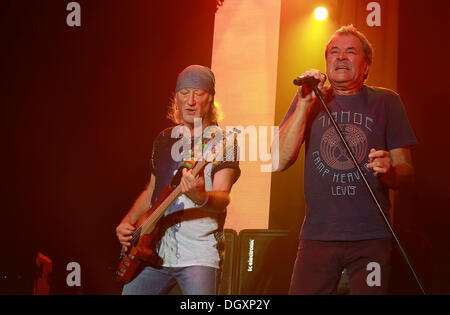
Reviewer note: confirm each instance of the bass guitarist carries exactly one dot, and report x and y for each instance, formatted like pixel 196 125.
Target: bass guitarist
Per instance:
pixel 189 245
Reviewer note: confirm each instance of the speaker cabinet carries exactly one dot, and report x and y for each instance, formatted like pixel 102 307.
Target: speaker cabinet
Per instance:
pixel 266 259
pixel 227 276
pixel 257 261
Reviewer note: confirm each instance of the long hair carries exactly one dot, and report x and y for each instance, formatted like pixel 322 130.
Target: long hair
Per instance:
pixel 214 115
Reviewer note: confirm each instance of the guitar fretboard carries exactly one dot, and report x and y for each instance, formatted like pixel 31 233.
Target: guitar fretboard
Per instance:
pixel 148 225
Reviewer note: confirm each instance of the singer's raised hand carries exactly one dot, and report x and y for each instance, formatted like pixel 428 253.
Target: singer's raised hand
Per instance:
pixel 291 134
pixel 305 92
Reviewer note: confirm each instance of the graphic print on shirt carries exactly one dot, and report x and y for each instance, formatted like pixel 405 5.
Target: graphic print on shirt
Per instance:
pixel 333 150
pixel 332 160
pixel 176 219
pixel 172 233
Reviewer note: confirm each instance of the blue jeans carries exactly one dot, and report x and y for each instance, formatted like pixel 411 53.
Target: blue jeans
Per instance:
pixel 193 280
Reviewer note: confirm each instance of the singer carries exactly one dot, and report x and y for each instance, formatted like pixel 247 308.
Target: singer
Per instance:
pixel 343 228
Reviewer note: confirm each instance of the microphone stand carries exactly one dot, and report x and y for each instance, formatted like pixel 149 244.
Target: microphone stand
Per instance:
pixel 344 141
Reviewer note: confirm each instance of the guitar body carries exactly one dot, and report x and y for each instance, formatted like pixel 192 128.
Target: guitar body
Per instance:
pixel 131 262
pixel 144 246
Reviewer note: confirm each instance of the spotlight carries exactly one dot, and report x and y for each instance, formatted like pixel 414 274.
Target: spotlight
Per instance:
pixel 320 13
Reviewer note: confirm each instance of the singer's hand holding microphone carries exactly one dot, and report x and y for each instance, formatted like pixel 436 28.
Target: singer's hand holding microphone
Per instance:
pixel 306 82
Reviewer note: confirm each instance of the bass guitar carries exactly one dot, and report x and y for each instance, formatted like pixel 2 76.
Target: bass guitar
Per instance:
pixel 144 237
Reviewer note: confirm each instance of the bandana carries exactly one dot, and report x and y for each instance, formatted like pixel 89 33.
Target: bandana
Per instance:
pixel 196 77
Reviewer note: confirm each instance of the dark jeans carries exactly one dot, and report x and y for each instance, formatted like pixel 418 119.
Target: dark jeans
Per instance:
pixel 319 265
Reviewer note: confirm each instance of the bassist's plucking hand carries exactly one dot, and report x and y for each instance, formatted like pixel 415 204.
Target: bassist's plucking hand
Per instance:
pixel 124 233
pixel 192 187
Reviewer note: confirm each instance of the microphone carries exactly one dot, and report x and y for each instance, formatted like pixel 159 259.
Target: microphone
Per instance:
pixel 307 80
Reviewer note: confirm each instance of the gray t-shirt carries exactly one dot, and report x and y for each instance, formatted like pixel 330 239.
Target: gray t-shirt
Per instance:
pixel 338 204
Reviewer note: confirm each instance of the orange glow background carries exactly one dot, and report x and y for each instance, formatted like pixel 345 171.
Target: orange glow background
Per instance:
pixel 244 60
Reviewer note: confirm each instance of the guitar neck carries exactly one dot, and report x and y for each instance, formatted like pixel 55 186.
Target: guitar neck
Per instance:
pixel 151 221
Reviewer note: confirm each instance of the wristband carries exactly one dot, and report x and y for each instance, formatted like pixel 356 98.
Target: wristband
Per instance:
pixel 204 202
